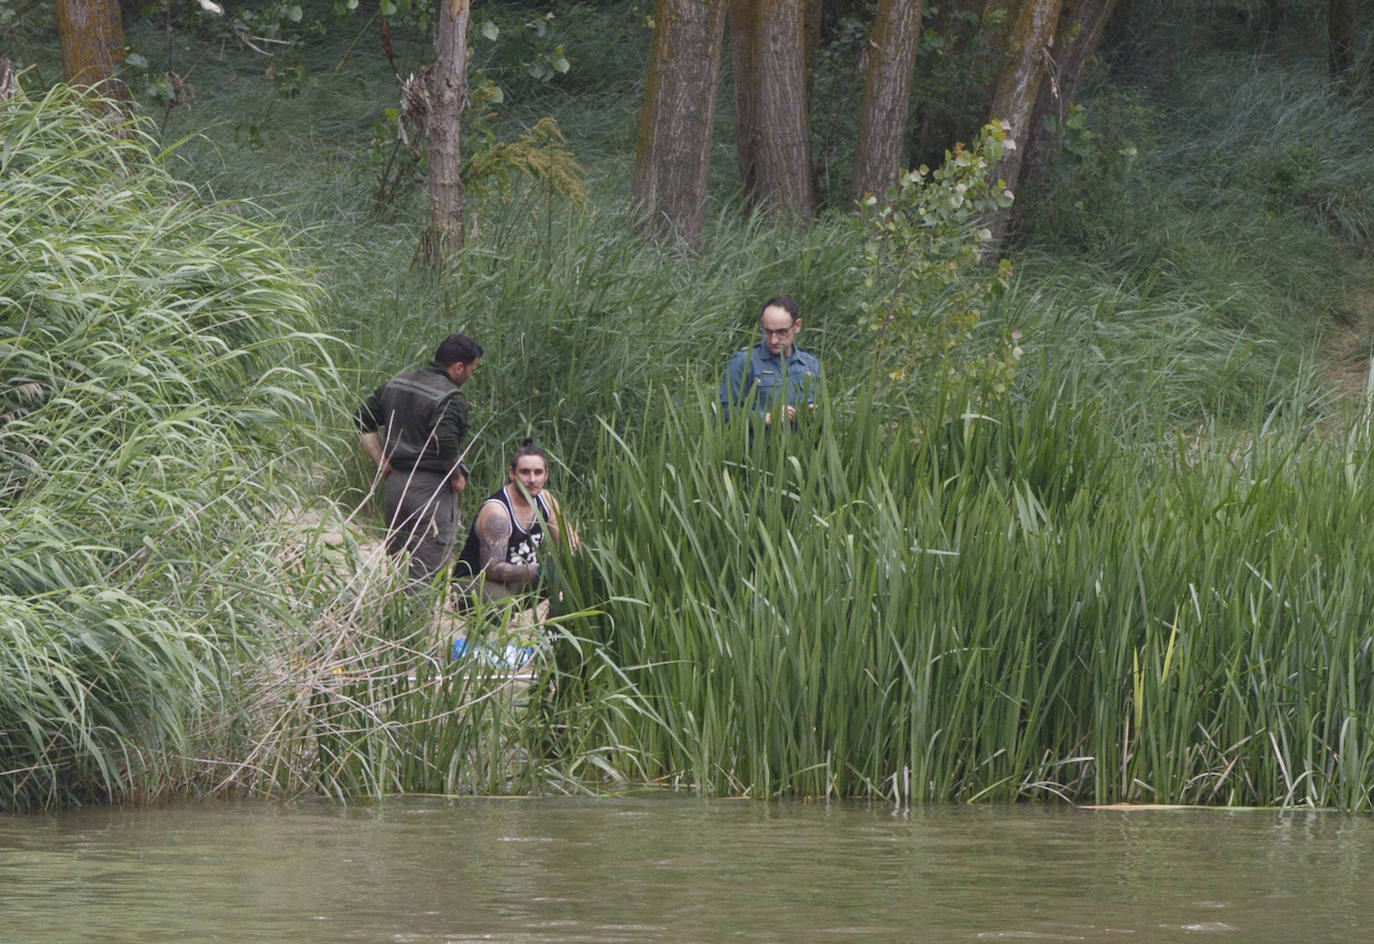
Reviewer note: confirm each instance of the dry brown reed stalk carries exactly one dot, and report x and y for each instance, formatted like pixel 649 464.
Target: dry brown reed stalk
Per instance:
pixel 360 697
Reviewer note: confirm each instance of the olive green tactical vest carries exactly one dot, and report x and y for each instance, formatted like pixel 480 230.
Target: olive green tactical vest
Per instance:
pixel 413 404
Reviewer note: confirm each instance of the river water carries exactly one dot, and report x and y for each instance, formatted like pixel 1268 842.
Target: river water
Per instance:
pixel 680 869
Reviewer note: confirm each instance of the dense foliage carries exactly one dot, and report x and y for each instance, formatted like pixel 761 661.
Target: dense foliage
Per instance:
pixel 158 360
pixel 1103 539
pixel 1019 606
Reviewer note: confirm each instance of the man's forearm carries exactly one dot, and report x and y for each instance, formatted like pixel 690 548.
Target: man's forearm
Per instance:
pixel 494 529
pixel 513 575
pixel 372 445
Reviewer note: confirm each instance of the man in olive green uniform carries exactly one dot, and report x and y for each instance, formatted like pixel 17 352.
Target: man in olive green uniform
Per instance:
pixel 425 419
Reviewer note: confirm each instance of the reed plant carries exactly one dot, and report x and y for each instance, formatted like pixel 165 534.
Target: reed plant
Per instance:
pixel 917 601
pixel 162 375
pixel 1135 573
pixel 176 615
pixel 1015 606
pixel 359 690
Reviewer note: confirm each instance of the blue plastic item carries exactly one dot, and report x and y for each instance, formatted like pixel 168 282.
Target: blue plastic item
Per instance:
pixel 509 656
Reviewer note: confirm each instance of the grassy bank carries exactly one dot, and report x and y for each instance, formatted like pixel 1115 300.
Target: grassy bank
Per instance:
pixel 1016 606
pixel 1135 573
pixel 161 375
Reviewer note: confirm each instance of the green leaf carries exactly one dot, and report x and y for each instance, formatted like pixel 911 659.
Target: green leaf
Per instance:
pixel 295 13
pixel 490 30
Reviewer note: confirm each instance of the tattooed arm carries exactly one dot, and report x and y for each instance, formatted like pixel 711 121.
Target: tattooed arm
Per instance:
pixel 493 530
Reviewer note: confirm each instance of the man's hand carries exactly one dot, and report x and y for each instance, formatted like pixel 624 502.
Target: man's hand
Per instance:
pixel 789 411
pixel 458 482
pixel 372 445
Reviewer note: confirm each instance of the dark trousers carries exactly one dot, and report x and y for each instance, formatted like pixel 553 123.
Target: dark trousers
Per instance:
pixel 422 520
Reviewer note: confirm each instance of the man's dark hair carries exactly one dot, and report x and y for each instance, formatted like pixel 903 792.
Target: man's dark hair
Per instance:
pixel 456 348
pixel 527 448
pixel 783 302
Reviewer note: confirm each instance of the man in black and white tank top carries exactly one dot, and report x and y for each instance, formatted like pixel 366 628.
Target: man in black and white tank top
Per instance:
pixel 501 555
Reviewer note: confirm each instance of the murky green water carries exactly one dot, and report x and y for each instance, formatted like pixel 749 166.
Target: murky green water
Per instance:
pixel 671 868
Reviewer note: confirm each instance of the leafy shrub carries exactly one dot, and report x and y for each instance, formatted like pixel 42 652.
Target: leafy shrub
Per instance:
pixel 922 263
pixel 158 359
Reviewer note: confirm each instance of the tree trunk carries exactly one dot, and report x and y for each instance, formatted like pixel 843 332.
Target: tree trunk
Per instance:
pixel 443 241
pixel 1081 27
pixel 813 15
pixel 744 33
pixel 891 59
pixel 91 33
pixel 1030 42
pixel 1340 36
pixel 673 152
pixel 772 122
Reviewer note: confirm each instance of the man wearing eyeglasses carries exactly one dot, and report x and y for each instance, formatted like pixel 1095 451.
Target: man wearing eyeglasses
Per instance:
pixel 778 374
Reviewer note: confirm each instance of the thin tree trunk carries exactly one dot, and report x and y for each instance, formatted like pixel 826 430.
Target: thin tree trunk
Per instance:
pixel 1340 35
pixel 1081 27
pixel 771 104
pixel 8 88
pixel 887 90
pixel 91 33
pixel 812 20
pixel 1030 43
pixel 443 240
pixel 744 35
pixel 673 152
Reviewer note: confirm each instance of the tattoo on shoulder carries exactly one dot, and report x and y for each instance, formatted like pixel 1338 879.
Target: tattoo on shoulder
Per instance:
pixel 493 531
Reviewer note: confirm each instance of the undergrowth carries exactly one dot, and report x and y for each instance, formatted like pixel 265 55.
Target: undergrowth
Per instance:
pixel 1130 568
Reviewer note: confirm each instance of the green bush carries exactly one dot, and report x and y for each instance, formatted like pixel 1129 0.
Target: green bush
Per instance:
pixel 159 367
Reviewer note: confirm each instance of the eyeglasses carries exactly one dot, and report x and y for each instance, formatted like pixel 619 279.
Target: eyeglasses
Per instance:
pixel 778 332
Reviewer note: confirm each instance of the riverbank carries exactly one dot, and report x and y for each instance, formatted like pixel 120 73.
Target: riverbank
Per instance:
pixel 1126 565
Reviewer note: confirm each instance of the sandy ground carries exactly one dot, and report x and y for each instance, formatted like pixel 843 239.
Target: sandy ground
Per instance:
pixel 1349 344
pixel 362 562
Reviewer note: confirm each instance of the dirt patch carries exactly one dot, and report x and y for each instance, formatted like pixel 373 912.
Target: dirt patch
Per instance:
pixel 1347 354
pixel 356 554
pixel 1349 344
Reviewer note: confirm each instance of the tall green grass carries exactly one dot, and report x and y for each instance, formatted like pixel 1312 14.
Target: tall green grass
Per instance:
pixel 1013 606
pixel 178 609
pixel 354 692
pixel 1136 576
pixel 160 367
pixel 984 611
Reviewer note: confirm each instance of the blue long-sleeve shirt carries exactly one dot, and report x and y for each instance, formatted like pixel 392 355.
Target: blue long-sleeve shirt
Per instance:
pixel 757 369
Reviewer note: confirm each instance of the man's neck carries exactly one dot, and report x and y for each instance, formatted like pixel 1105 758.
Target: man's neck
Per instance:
pixel 516 494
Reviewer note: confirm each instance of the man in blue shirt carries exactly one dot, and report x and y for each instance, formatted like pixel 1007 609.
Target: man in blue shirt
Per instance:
pixel 773 366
